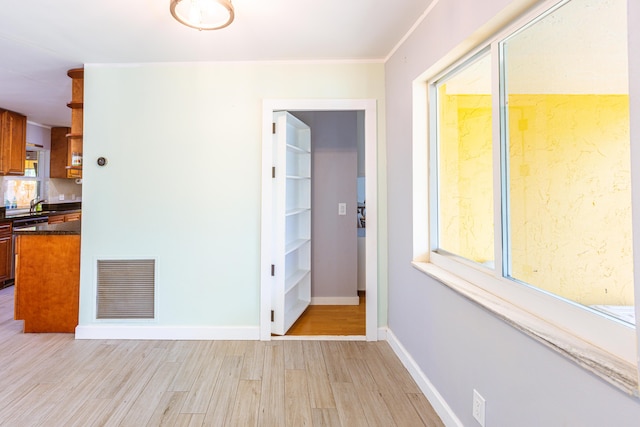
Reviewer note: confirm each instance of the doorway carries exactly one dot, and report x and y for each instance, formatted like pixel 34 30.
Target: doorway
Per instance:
pixel 368 109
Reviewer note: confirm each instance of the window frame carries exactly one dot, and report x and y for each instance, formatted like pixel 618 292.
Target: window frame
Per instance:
pixel 585 335
pixel 40 178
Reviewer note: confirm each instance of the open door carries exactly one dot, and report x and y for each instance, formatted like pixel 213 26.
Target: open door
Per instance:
pixel 291 216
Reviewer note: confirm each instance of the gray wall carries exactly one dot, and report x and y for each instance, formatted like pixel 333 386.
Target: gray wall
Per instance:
pixel 334 172
pixel 458 345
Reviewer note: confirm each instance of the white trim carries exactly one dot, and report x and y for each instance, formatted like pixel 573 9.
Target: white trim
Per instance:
pixel 356 61
pixel 608 366
pixel 412 29
pixel 382 333
pixel 371 172
pixel 124 332
pixel 438 403
pixel 335 300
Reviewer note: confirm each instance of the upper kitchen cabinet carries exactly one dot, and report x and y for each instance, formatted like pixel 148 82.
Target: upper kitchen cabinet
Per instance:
pixel 65 154
pixel 66 143
pixel 13 142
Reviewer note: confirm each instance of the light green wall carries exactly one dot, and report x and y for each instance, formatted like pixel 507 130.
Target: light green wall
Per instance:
pixel 183 179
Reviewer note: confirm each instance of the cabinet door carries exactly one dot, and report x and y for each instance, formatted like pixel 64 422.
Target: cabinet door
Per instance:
pixel 56 219
pixel 14 143
pixel 72 217
pixel 5 258
pixel 59 158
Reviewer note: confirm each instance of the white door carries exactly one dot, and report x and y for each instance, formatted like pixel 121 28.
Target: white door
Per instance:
pixel 291 204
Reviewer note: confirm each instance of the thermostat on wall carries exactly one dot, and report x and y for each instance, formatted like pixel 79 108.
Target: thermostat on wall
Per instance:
pixel 102 161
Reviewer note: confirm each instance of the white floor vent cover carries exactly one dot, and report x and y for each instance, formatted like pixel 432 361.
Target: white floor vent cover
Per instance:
pixel 126 289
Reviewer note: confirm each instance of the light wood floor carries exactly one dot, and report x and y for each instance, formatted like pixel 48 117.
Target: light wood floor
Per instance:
pixel 54 380
pixel 332 320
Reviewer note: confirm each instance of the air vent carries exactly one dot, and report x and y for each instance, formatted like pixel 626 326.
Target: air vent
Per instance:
pixel 126 289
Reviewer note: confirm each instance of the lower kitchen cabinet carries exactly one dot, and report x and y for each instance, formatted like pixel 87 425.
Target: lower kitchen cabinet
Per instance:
pixel 5 252
pixel 47 282
pixel 57 219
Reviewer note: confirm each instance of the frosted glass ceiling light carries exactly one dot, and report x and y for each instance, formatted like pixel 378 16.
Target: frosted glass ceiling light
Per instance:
pixel 203 14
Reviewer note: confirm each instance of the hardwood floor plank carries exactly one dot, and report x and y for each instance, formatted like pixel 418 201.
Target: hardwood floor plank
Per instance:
pixel 253 362
pixel 201 390
pixel 135 382
pixel 31 408
pixel 320 392
pixel 224 392
pixel 167 411
pixel 246 405
pixel 191 367
pixel 190 420
pixel 397 370
pixel 150 396
pixel 375 408
pixel 272 395
pixel 348 405
pixel 360 375
pixel 293 355
pixel 325 417
pixel 297 405
pixel 76 397
pixel 400 408
pixel 425 410
pixel 336 368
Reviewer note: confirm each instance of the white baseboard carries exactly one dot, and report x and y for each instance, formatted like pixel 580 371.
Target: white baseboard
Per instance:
pixel 382 333
pixel 441 407
pixel 123 332
pixel 335 300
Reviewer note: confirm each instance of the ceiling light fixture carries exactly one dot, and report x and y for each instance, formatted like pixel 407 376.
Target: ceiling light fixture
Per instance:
pixel 203 14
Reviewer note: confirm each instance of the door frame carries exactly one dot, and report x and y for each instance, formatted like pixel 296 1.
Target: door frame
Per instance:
pixel 371 193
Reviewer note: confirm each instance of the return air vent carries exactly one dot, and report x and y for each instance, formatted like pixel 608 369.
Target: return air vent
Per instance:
pixel 126 289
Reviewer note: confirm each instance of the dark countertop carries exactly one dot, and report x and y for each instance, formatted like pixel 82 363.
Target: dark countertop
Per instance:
pixel 63 228
pixel 48 210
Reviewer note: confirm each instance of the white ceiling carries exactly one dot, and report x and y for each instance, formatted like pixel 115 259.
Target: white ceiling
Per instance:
pixel 41 40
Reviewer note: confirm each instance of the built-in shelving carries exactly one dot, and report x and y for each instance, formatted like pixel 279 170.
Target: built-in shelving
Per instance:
pixel 66 142
pixel 295 226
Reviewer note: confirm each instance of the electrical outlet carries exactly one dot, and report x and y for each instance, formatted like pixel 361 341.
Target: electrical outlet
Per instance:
pixel 61 197
pixel 342 208
pixel 478 407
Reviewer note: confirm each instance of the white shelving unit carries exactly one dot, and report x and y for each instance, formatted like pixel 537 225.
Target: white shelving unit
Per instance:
pixel 292 290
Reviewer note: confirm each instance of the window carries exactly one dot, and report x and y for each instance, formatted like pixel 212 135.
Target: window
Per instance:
pixel 464 162
pixel 19 191
pixel 567 156
pixel 529 172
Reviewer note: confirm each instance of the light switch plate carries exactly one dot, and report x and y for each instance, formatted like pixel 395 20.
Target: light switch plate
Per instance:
pixel 61 197
pixel 342 208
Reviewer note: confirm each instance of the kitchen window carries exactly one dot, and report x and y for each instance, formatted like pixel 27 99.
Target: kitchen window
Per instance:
pixel 529 174
pixel 19 191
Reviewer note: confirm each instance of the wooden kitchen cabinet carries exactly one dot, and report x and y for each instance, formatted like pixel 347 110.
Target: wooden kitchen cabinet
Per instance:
pixel 13 142
pixel 5 252
pixel 59 218
pixel 64 154
pixel 47 282
pixel 66 143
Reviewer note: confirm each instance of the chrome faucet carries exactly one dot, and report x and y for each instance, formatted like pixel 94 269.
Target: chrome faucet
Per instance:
pixel 33 204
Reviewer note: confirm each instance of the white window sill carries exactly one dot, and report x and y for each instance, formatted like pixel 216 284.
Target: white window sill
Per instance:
pixel 607 366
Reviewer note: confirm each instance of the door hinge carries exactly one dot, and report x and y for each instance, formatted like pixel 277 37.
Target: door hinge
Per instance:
pixel 273 172
pixel 273 270
pixel 272 315
pixel 273 128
